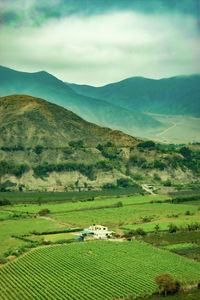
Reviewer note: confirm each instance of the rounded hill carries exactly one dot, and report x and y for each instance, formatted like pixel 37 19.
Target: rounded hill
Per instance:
pixel 28 121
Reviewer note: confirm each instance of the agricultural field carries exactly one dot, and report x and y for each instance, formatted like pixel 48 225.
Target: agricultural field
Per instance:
pixel 84 205
pixel 88 271
pixel 34 197
pixel 164 224
pixel 127 215
pixel 20 227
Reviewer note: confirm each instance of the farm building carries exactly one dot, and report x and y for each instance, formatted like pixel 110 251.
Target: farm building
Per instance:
pixel 98 231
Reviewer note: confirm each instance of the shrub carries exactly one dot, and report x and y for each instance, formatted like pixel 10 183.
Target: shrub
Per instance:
pixel 124 182
pixel 76 144
pixel 140 231
pixel 108 185
pixel 44 212
pixel 167 284
pixel 38 149
pixel 146 144
pixel 159 165
pixel 156 177
pixel 186 152
pixel 137 176
pixel 119 204
pixel 167 182
pixel 3 260
pixel 172 228
pixel 4 202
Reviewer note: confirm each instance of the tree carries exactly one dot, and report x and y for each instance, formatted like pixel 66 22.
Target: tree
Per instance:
pixel 39 200
pixel 157 228
pixel 186 152
pixel 167 284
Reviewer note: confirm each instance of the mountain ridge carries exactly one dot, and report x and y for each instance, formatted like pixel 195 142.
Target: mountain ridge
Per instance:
pixel 29 121
pixel 48 87
pixel 174 95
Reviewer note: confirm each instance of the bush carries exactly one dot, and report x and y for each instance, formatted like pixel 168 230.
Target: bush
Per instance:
pixel 4 202
pixel 44 212
pixel 137 176
pixel 124 182
pixel 108 185
pixel 167 182
pixel 159 165
pixel 38 149
pixel 156 177
pixel 3 260
pixel 119 204
pixel 76 144
pixel 146 144
pixel 167 284
pixel 172 228
pixel 140 231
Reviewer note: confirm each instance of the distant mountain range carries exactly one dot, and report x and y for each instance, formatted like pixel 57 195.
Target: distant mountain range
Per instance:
pixel 48 87
pixel 27 121
pixel 172 96
pixel 166 110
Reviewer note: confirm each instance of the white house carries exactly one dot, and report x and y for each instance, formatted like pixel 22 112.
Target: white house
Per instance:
pixel 98 231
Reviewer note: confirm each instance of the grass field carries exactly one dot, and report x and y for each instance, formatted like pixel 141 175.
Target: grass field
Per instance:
pixel 94 270
pixel 19 227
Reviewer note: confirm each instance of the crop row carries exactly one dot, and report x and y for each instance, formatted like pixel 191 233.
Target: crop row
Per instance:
pixel 93 270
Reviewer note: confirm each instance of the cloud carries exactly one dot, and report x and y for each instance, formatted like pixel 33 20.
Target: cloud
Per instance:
pixel 99 49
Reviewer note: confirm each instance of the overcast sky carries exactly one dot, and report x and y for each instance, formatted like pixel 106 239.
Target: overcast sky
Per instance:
pixel 101 41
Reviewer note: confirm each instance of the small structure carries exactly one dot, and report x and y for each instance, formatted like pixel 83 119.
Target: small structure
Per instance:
pixel 98 231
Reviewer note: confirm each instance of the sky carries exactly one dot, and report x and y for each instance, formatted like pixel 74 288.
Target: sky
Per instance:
pixel 97 42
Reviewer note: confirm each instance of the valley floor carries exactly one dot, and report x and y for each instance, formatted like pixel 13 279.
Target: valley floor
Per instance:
pixel 158 227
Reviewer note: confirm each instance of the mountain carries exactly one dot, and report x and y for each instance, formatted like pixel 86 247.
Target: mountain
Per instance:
pixel 48 87
pixel 29 121
pixel 172 96
pixel 44 146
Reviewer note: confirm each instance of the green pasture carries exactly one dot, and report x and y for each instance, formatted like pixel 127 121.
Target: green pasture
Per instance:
pixel 92 270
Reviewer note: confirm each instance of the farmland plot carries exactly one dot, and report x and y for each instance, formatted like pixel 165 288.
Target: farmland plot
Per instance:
pixel 92 270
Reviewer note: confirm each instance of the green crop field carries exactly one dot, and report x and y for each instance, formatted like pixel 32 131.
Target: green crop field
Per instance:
pixel 93 270
pixel 125 215
pixel 163 224
pixel 181 246
pixel 70 206
pixel 19 227
pixel 32 197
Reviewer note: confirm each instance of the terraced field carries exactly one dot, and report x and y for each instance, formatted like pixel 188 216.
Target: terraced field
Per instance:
pixel 92 270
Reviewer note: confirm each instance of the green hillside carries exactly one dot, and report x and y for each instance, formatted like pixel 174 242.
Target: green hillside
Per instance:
pixel 172 96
